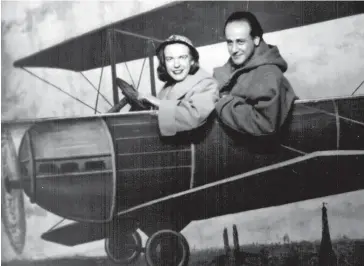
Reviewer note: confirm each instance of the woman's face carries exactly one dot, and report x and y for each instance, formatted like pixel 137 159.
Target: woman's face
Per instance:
pixel 178 60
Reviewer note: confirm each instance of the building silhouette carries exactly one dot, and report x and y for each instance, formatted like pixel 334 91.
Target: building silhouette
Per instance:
pixel 327 256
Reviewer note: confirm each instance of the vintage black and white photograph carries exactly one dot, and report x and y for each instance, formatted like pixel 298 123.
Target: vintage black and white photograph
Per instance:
pixel 178 133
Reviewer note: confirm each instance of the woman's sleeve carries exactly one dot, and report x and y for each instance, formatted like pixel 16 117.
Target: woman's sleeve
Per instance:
pixel 190 112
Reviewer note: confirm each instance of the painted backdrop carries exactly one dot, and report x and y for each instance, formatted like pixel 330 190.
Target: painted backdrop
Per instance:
pixel 325 59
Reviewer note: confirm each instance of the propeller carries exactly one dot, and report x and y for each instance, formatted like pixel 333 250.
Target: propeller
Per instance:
pixel 12 201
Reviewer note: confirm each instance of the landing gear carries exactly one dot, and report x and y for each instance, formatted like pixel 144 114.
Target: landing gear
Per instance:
pixel 163 248
pixel 167 247
pixel 123 249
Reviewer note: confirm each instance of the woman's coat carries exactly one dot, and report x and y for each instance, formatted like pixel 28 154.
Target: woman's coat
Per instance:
pixel 186 105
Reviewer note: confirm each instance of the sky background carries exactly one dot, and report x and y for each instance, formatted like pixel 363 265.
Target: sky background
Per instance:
pixel 325 59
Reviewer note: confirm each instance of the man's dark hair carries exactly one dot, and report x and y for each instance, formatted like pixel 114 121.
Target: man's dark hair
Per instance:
pixel 256 28
pixel 162 71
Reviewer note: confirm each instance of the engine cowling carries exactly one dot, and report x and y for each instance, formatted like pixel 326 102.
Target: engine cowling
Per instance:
pixel 68 168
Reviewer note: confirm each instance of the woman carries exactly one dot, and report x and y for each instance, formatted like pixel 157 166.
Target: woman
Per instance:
pixel 189 93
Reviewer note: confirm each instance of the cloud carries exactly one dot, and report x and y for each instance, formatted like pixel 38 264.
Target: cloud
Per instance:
pixel 17 11
pixel 29 28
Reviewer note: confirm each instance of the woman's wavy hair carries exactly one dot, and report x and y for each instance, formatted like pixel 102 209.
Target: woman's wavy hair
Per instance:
pixel 162 71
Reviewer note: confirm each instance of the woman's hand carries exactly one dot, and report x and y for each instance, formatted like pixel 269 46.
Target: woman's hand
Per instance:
pixel 149 98
pixel 223 95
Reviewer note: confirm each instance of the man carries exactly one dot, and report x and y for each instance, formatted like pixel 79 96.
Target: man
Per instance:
pixel 255 96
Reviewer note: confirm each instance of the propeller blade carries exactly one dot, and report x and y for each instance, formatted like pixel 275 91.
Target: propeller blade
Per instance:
pixel 12 201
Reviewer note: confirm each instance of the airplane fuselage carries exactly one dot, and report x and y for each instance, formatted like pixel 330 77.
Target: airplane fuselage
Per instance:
pixel 93 169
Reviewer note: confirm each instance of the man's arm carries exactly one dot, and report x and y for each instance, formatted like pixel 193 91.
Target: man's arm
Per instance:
pixel 258 111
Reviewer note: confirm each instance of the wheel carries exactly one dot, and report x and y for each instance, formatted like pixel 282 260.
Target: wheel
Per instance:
pixel 167 247
pixel 12 201
pixel 124 248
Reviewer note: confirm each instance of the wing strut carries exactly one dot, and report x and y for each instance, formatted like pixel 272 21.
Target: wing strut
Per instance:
pixel 102 72
pixel 46 81
pixel 358 88
pixel 98 90
pixel 151 50
pixel 138 35
pixel 111 38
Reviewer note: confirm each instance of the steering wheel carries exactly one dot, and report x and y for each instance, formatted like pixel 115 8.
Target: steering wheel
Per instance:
pixel 131 97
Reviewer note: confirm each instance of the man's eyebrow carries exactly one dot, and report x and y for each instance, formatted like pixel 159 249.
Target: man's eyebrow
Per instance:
pixel 237 40
pixel 170 56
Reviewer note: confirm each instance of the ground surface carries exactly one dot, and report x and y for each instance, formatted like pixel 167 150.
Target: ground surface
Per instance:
pixel 349 252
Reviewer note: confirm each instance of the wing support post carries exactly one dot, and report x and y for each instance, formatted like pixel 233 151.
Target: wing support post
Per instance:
pixel 151 66
pixel 111 36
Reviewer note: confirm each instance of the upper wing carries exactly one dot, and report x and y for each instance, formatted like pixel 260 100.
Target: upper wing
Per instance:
pixel 201 21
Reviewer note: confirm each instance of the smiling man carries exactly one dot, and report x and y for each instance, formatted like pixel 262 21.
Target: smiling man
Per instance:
pixel 189 93
pixel 256 98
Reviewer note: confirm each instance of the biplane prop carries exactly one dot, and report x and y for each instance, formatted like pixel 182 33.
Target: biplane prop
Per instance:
pixel 113 173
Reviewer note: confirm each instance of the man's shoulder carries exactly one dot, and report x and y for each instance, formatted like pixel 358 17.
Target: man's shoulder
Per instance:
pixel 218 69
pixel 222 73
pixel 225 68
pixel 269 70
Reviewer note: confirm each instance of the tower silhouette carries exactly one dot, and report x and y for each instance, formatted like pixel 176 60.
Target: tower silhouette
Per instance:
pixel 327 256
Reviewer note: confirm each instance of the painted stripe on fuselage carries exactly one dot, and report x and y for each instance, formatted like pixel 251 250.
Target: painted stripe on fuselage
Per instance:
pixel 193 164
pixel 250 173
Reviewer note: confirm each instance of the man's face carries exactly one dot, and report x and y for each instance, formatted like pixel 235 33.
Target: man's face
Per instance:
pixel 178 61
pixel 240 44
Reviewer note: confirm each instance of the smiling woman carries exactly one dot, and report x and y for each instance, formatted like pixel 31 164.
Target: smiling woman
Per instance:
pixel 178 61
pixel 189 93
